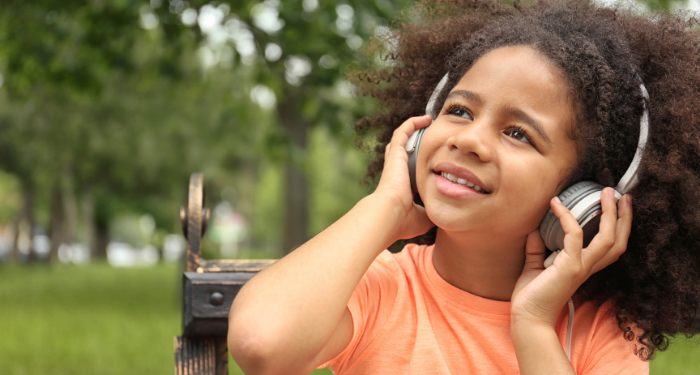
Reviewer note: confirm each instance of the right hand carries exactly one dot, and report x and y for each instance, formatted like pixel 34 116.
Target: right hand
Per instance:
pixel 395 186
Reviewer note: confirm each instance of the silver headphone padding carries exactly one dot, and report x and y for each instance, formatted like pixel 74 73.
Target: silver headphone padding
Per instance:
pixel 583 200
pixel 413 157
pixel 550 229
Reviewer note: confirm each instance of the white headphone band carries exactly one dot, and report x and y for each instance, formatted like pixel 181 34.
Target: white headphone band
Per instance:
pixel 434 96
pixel 629 178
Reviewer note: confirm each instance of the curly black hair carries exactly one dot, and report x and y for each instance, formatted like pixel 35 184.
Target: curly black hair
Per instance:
pixel 604 53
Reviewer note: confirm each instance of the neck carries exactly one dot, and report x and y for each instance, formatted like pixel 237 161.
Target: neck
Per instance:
pixel 483 266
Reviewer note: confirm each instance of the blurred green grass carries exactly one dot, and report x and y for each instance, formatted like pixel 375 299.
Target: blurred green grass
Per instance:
pixel 59 319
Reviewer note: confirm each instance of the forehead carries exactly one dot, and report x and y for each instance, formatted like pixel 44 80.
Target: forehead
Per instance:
pixel 519 77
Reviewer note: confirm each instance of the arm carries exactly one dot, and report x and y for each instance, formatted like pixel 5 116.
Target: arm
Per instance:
pixel 540 293
pixel 538 349
pixel 292 316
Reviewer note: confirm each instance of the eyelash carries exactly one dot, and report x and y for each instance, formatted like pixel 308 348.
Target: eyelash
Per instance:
pixel 453 108
pixel 516 128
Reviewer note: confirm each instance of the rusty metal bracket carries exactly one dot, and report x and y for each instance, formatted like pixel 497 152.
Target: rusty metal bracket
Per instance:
pixel 209 287
pixel 194 219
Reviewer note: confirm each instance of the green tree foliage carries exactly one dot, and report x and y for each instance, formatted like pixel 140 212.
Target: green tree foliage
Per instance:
pixel 107 107
pixel 104 112
pixel 664 5
pixel 299 50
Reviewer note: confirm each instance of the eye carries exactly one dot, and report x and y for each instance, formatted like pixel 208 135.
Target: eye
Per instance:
pixel 518 134
pixel 460 111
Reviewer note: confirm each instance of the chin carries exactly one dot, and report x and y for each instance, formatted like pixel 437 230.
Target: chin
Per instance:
pixel 450 219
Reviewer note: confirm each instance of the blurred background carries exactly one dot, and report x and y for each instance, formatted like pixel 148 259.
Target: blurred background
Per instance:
pixel 107 106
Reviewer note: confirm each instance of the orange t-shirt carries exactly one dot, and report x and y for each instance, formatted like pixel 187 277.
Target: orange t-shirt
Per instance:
pixel 409 320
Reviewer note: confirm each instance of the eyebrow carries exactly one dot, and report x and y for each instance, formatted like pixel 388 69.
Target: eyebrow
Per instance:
pixel 511 111
pixel 468 95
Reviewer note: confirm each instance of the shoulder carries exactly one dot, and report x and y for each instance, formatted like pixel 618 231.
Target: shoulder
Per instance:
pixel 409 261
pixel 598 345
pixel 374 299
pixel 391 272
pixel 413 258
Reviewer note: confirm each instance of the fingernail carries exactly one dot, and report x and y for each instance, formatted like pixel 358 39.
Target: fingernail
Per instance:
pixel 556 200
pixel 629 199
pixel 611 192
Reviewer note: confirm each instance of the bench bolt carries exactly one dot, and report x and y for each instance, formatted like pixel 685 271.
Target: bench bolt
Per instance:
pixel 216 299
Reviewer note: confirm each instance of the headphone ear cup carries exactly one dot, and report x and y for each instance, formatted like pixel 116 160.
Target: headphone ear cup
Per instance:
pixel 413 158
pixel 583 200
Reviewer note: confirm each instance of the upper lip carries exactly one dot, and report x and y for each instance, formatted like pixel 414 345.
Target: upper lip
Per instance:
pixel 460 172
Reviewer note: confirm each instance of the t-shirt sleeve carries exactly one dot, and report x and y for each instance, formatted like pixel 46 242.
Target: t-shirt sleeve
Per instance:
pixel 609 351
pixel 369 306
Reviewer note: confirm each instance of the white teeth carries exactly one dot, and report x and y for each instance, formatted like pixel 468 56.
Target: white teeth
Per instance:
pixel 461 181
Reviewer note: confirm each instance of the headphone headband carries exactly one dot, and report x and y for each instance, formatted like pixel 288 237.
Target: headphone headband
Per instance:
pixel 429 109
pixel 629 178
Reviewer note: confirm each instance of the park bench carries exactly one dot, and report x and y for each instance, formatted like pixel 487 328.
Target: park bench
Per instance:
pixel 208 289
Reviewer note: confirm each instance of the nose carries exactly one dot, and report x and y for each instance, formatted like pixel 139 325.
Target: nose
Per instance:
pixel 475 139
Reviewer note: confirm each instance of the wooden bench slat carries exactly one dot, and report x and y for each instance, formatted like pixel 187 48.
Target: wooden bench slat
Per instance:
pixel 234 265
pixel 200 356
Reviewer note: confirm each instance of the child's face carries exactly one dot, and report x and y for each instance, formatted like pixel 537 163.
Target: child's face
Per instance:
pixel 504 127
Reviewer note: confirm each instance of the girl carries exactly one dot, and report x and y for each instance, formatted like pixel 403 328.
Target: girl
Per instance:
pixel 537 97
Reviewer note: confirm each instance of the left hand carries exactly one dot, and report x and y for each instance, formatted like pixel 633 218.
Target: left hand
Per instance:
pixel 540 293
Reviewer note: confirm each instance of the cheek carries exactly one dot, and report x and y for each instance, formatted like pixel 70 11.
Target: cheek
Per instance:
pixel 530 184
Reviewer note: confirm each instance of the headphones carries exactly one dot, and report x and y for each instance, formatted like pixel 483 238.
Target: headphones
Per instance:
pixel 582 198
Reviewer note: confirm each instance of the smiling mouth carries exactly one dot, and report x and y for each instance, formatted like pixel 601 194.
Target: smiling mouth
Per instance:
pixel 463 182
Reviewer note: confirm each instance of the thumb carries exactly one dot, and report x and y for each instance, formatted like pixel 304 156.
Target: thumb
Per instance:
pixel 534 252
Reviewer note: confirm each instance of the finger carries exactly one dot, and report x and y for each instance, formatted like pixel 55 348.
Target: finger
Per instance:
pixel 605 239
pixel 420 122
pixel 534 252
pixel 403 132
pixel 573 240
pixel 395 156
pixel 395 151
pixel 622 234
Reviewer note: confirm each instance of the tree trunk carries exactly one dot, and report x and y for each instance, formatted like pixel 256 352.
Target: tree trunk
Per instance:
pixel 24 233
pixel 89 230
pixel 101 239
pixel 70 209
pixel 56 225
pixel 296 215
pixel 31 219
pixel 15 248
pixel 296 209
